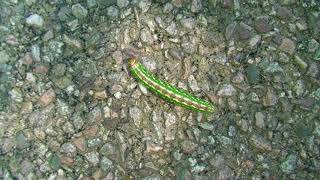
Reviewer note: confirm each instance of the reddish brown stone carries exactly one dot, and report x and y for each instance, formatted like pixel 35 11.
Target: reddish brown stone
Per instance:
pixel 67 161
pixel 47 97
pixel 80 143
pixel 262 26
pixel 91 131
pixel 43 69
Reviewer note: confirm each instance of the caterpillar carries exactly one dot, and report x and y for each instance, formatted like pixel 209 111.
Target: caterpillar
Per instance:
pixel 167 91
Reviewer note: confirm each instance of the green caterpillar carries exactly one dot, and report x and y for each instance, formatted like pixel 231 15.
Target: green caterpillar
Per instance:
pixel 168 92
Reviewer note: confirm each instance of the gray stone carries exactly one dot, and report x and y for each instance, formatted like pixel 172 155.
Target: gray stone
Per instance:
pixel 79 11
pixel 274 67
pixel 16 95
pixel 7 144
pixel 259 116
pixel 176 54
pixel 254 41
pixel 146 36
pixel 196 6
pixel 260 143
pixel 136 114
pixel 284 13
pixel 188 146
pixel 144 5
pixel 26 167
pixel 227 90
pixel 106 164
pixel 232 131
pixel 188 23
pixel 193 84
pixel 231 30
pixel 112 11
pixel 287 45
pixel 93 158
pixel 122 3
pixel 35 20
pixel 117 56
pixel 244 31
pixel 220 58
pixel 262 26
pixel 270 99
pixel 299 87
pixel 36 52
pixel 313 45
pixel 4 57
pixel 289 164
pixel 189 44
pixel 159 21
pixel 69 149
pixel 172 29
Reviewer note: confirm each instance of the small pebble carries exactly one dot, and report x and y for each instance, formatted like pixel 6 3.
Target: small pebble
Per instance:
pixel 47 97
pixel 227 90
pixel 35 20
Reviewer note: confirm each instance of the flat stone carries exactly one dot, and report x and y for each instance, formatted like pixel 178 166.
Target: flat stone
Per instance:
pixel 260 143
pixel 80 143
pixel 288 46
pixel 284 13
pixel 262 26
pixel 244 31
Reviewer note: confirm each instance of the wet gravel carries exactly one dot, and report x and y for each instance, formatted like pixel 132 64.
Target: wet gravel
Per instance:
pixel 69 109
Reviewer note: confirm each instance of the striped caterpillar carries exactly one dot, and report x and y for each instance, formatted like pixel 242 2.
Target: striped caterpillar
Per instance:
pixel 166 91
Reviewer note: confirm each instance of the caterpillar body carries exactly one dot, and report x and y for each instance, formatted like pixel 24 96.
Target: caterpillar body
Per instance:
pixel 167 91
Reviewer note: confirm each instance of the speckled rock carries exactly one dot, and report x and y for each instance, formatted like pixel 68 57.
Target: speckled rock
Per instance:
pixel 93 158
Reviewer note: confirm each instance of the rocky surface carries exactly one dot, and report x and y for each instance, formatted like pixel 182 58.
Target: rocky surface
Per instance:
pixel 69 109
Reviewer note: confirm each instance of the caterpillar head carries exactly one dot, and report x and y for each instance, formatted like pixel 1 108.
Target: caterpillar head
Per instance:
pixel 133 62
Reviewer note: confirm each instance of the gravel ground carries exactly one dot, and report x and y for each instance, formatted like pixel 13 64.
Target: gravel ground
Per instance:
pixel 69 109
